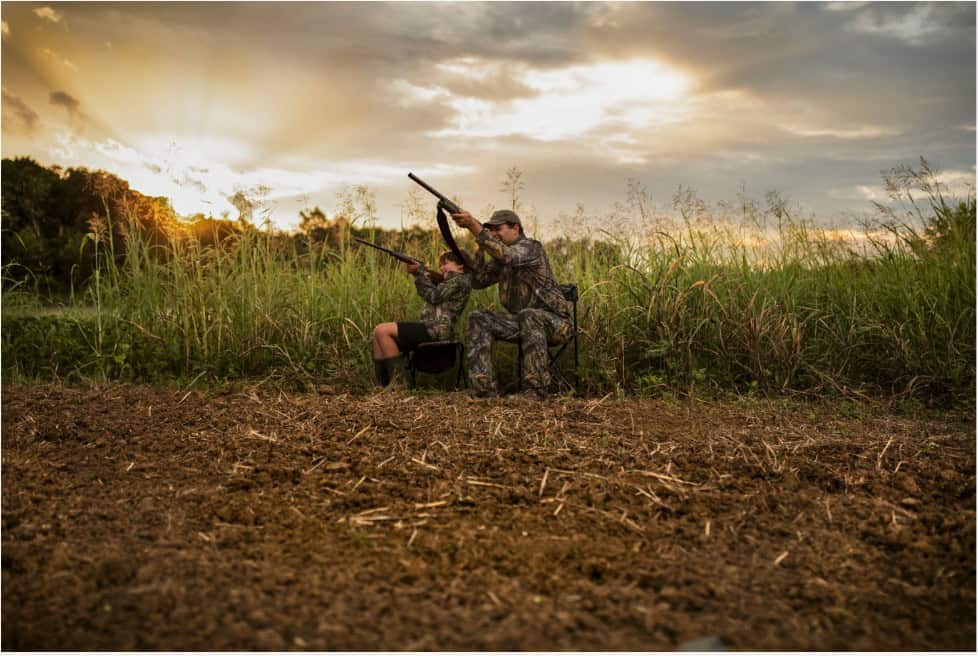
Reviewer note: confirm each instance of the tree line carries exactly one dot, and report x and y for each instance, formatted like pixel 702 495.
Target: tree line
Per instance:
pixel 52 217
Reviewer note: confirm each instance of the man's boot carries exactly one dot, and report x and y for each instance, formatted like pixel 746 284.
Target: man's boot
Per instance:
pixel 533 394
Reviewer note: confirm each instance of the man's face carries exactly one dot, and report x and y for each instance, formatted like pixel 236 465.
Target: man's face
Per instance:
pixel 508 234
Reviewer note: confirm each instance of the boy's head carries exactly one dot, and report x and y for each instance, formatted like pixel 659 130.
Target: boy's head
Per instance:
pixel 449 262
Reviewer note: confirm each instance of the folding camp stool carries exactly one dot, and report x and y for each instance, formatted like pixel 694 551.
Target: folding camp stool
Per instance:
pixel 436 357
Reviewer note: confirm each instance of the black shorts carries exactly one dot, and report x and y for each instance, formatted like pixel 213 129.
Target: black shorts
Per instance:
pixel 410 334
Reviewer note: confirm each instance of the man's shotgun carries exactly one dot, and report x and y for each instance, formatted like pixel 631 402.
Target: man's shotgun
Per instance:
pixel 442 198
pixel 445 205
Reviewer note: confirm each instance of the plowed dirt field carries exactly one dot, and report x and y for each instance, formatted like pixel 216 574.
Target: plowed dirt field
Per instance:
pixel 145 518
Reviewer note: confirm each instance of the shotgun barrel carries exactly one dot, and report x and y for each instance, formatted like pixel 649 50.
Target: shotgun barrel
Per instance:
pixel 442 198
pixel 407 259
pixel 435 276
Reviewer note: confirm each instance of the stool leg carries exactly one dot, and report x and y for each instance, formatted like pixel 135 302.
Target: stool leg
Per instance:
pixel 519 366
pixel 460 354
pixel 577 367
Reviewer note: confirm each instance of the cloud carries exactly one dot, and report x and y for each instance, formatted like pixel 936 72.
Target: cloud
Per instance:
pixel 47 52
pixel 915 26
pixel 483 78
pixel 957 183
pixel 860 192
pixel 804 97
pixel 567 102
pixel 788 52
pixel 25 118
pixel 954 184
pixel 63 99
pixel 198 181
pixel 862 132
pixel 397 64
pixel 48 14
pixel 844 5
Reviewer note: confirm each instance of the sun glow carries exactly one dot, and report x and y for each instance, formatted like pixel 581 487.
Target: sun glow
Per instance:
pixel 196 181
pixel 613 96
pixel 193 181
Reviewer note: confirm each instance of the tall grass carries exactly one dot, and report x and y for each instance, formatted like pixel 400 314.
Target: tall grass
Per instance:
pixel 694 307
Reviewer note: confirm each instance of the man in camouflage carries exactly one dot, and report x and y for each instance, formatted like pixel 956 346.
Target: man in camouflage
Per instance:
pixel 444 303
pixel 537 315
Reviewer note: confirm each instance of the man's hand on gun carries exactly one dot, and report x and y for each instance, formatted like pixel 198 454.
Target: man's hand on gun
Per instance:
pixel 466 220
pixel 412 267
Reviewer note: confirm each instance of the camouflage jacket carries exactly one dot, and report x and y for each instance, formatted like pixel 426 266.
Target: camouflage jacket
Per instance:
pixel 523 273
pixel 443 302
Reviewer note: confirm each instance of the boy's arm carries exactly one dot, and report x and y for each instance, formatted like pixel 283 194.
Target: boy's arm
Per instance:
pixel 425 287
pixel 436 294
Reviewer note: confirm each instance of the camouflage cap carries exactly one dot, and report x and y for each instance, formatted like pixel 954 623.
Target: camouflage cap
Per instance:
pixel 499 217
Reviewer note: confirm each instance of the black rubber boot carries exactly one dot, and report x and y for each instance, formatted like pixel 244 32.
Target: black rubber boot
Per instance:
pixel 382 372
pixel 398 371
pixel 390 371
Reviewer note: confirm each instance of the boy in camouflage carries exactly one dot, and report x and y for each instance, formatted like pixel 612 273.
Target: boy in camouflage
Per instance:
pixel 538 314
pixel 444 303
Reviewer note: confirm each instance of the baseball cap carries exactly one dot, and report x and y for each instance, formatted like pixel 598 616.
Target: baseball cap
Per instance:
pixel 499 217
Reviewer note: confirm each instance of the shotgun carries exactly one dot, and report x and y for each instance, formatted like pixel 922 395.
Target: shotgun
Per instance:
pixel 445 204
pixel 442 198
pixel 435 276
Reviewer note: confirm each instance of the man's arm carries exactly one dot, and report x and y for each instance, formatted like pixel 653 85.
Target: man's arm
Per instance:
pixel 467 221
pixel 525 252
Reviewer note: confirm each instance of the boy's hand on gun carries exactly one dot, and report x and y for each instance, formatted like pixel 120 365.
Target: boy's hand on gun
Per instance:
pixel 412 267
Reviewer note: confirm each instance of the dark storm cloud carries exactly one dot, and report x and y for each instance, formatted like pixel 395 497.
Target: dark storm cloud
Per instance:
pixel 66 100
pixel 369 35
pixel 24 118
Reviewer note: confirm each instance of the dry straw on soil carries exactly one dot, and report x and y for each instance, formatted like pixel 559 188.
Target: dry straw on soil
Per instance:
pixel 137 518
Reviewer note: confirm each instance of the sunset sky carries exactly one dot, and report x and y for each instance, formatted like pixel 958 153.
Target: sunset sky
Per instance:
pixel 196 101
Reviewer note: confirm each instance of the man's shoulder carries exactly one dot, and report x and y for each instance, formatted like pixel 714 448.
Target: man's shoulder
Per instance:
pixel 528 243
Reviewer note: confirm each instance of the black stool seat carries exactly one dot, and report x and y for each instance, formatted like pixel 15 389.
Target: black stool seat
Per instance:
pixel 436 357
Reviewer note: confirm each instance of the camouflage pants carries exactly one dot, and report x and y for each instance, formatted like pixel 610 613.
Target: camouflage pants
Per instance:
pixel 535 329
